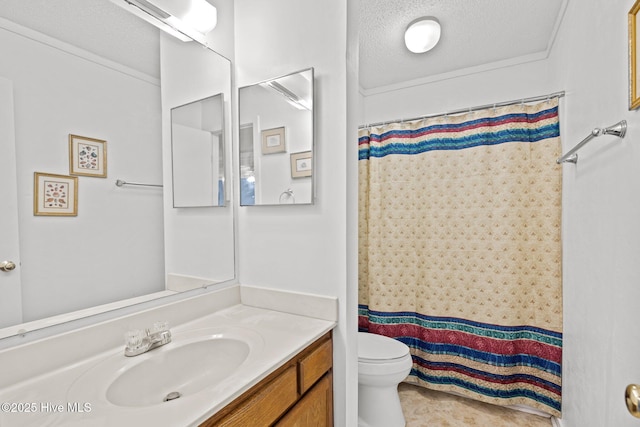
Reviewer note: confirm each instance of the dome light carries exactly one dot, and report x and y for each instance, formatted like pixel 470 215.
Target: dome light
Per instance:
pixel 422 34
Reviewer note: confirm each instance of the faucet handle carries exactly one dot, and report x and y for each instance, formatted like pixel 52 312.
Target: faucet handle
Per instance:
pixel 134 338
pixel 140 341
pixel 160 327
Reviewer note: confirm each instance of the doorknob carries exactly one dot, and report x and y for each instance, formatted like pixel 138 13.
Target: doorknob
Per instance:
pixel 7 265
pixel 632 399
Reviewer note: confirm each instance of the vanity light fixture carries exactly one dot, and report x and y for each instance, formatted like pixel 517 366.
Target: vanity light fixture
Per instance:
pixel 184 19
pixel 422 34
pixel 290 97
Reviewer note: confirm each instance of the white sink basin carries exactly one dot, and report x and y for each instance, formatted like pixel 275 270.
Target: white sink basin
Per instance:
pixel 191 363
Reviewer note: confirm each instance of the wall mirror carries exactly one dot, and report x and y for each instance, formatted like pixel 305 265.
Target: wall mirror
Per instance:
pixel 198 153
pixel 99 77
pixel 276 141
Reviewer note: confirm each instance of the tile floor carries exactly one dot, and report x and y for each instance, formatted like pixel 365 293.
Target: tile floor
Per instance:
pixel 428 408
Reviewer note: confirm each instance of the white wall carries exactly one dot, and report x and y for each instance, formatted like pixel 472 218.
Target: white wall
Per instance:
pixel 502 84
pixel 113 249
pixel 304 248
pixel 198 241
pixel 601 231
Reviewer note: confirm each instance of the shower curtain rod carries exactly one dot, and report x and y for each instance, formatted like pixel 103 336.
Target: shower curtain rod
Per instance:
pixel 468 110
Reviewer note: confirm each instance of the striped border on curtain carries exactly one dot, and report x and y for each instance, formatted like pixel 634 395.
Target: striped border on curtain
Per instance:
pixel 482 343
pixel 496 130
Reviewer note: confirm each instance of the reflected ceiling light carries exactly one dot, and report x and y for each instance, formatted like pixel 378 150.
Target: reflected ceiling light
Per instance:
pixel 185 19
pixel 422 34
pixel 290 97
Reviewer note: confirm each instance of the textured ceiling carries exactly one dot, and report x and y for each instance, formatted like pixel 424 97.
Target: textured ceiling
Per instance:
pixel 474 33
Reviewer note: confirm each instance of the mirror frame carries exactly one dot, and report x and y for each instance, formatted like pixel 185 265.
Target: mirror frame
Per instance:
pixel 312 149
pixel 634 45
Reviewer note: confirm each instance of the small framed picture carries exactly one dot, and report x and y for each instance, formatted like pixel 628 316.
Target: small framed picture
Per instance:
pixel 55 195
pixel 87 156
pixel 273 141
pixel 301 164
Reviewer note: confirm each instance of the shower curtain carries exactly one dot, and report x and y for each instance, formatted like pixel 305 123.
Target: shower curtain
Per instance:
pixel 460 250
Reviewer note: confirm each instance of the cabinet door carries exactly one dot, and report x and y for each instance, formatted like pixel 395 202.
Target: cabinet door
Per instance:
pixel 265 406
pixel 315 409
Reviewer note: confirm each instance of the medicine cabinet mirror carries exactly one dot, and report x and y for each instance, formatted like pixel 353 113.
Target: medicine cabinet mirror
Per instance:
pixel 277 141
pixel 197 153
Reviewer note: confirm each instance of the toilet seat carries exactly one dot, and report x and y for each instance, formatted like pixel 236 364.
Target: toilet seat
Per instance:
pixel 374 349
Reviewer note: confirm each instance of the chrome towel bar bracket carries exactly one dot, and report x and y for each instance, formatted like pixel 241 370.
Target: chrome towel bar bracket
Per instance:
pixel 619 130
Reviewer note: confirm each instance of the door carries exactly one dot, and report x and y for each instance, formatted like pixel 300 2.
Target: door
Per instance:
pixel 10 291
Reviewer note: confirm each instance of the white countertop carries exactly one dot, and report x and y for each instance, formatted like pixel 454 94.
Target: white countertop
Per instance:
pixel 44 400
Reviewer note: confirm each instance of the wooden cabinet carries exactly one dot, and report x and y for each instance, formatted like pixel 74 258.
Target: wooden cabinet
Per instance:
pixel 315 409
pixel 298 394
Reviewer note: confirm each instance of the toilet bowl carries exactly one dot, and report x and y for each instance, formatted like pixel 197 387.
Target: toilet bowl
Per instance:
pixel 383 363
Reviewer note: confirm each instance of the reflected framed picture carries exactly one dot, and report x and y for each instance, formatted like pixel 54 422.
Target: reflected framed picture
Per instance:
pixel 301 164
pixel 55 195
pixel 87 156
pixel 273 141
pixel 634 45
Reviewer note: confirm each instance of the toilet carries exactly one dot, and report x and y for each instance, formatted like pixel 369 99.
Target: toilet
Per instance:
pixel 383 363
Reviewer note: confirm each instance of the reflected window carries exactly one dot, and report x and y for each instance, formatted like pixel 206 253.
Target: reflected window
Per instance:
pixel 247 177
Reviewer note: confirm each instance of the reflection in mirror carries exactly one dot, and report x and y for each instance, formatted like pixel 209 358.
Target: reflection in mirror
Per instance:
pixel 276 141
pixel 197 153
pixel 98 77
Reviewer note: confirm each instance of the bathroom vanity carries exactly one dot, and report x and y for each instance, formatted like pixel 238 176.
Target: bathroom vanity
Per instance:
pixel 299 393
pixel 230 362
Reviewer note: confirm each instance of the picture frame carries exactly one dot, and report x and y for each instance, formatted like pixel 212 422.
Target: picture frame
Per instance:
pixel 634 54
pixel 55 195
pixel 87 156
pixel 301 164
pixel 273 141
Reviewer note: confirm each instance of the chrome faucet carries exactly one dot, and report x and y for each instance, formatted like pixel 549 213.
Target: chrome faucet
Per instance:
pixel 140 341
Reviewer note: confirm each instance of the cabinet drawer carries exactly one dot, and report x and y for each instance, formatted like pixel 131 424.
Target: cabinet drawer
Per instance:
pixel 266 405
pixel 314 365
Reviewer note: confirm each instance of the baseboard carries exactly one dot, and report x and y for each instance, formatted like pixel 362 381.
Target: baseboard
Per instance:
pixel 181 282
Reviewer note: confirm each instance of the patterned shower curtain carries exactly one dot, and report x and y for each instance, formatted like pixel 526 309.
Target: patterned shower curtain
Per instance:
pixel 460 250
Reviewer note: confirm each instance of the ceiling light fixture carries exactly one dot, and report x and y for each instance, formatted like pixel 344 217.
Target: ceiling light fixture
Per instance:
pixel 185 19
pixel 422 34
